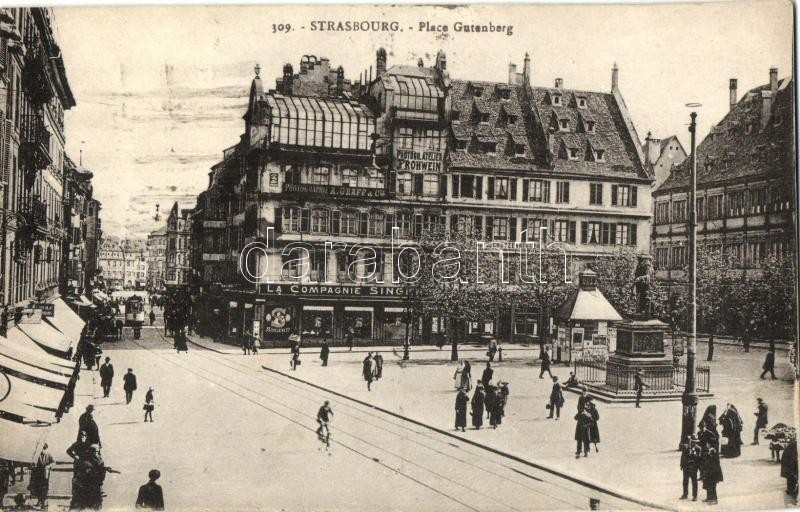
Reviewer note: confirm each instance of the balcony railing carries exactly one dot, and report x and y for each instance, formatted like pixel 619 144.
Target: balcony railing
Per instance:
pixel 35 143
pixel 35 80
pixel 34 211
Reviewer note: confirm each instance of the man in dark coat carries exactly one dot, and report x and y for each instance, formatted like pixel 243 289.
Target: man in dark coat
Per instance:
pixel 769 364
pixel 639 385
pixel 366 370
pixel 486 378
pixel 499 405
pixel 477 406
pixel 489 400
pixel 545 364
pixel 129 385
pixel 710 355
pixel 378 365
pixel 87 424
pixel 106 376
pixel 324 352
pixel 462 399
pixel 152 317
pixel 762 419
pixel 789 468
pixel 711 474
pixel 150 494
pixel 585 397
pixel 348 337
pixel 583 426
pixel 556 399
pixel 690 463
pixel 594 429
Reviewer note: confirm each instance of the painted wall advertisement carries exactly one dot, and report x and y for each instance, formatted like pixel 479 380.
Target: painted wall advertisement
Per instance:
pixel 278 322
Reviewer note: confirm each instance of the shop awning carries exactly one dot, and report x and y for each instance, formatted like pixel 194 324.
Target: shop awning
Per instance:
pixel 42 364
pixel 26 392
pixel 82 301
pixel 23 370
pixel 48 337
pixel 28 441
pixel 97 294
pixel 19 345
pixel 66 321
pixel 13 410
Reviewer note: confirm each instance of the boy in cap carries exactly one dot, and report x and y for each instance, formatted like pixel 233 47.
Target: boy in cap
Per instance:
pixel 150 494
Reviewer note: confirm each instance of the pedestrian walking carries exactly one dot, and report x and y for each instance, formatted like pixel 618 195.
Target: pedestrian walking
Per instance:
pixel 324 416
pixel 149 405
pixel 88 481
pixel 707 429
pixel 87 424
pixel 466 376
pixel 324 352
pixel 710 355
pixel 477 406
pixel 711 474
pixel 492 349
pixel 639 385
pixel 119 327
pixel 150 494
pixel 367 370
pixel 585 397
pixel 39 484
pixel 295 362
pixel 457 375
pixel 594 428
pixel 545 367
pixel 769 364
pixel 731 423
pixel 499 405
pixel 180 341
pixel 462 399
pixel 348 337
pixel 80 448
pixel 378 358
pixel 789 468
pixel 486 378
pixel 489 399
pixel 152 316
pixel 255 343
pixel 583 426
pixel 106 376
pixel 762 419
pixel 245 345
pixel 690 465
pixel 556 400
pixel 129 386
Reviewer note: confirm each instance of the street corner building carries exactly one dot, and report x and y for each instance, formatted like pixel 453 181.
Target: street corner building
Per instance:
pixel 49 235
pixel 410 150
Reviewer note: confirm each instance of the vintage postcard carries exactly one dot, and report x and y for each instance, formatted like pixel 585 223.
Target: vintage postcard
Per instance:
pixel 399 257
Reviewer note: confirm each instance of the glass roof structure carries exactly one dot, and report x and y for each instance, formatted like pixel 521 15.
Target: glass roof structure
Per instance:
pixel 320 122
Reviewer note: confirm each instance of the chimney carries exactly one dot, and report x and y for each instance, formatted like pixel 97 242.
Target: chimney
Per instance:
pixel 512 74
pixel 559 83
pixel 380 65
pixel 526 70
pixel 773 81
pixel 339 81
pixel 766 107
pixel 614 78
pixel 733 86
pixel 288 79
pixel 652 149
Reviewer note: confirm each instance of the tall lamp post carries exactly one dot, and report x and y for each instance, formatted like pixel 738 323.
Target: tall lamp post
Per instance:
pixel 689 399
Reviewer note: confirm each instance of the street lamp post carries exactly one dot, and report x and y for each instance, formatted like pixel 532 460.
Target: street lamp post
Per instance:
pixel 689 398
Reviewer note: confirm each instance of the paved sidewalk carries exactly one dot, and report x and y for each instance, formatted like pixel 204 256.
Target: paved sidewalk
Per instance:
pixel 637 454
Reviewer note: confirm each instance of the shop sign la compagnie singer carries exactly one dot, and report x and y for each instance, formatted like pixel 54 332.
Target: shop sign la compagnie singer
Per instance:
pixel 332 290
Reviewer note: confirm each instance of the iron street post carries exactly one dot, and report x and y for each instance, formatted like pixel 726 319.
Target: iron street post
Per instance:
pixel 689 398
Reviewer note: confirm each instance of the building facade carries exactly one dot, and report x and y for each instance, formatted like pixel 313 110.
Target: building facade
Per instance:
pixel 94 235
pixel 156 258
pixel 111 262
pixel 178 252
pixel 745 183
pixel 78 264
pixel 33 97
pixel 662 155
pixel 134 252
pixel 418 151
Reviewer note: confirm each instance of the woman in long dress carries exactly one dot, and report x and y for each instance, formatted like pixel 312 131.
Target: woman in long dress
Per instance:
pixel 477 406
pixel 457 375
pixel 731 423
pixel 466 377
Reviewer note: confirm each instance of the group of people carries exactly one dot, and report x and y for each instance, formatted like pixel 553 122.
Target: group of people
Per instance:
pixel 250 344
pixel 488 397
pixel 89 469
pixel 372 368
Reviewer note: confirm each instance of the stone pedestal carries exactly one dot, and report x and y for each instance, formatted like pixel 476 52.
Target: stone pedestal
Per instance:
pixel 640 346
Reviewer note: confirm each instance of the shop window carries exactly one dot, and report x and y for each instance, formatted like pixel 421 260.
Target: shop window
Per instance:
pixel 359 319
pixel 317 322
pixel 404 183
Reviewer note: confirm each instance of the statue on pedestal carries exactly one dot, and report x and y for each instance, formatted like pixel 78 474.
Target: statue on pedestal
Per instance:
pixel 642 285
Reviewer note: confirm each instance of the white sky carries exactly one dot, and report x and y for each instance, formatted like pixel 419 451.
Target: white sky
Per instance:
pixel 161 90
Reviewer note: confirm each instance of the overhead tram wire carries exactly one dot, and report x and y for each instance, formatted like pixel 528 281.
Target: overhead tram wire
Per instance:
pixel 437 438
pixel 306 427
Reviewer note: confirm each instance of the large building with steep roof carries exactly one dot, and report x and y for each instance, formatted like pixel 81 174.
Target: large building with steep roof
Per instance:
pixel 415 150
pixel 745 184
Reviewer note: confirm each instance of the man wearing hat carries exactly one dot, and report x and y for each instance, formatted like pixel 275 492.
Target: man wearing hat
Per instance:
pixel 690 464
pixel 129 386
pixel 761 419
pixel 556 399
pixel 87 424
pixel 150 494
pixel 106 376
pixel 638 385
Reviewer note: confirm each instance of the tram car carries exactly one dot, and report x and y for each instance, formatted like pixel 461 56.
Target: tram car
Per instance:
pixel 134 314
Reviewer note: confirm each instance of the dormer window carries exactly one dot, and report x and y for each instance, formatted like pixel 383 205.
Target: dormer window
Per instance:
pixel 581 102
pixel 600 155
pixel 489 147
pixel 483 117
pixel 505 94
pixel 556 99
pixel 573 153
pixel 455 115
pixel 519 149
pixel 461 144
pixel 563 125
pixel 590 126
pixel 511 119
pixel 477 92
